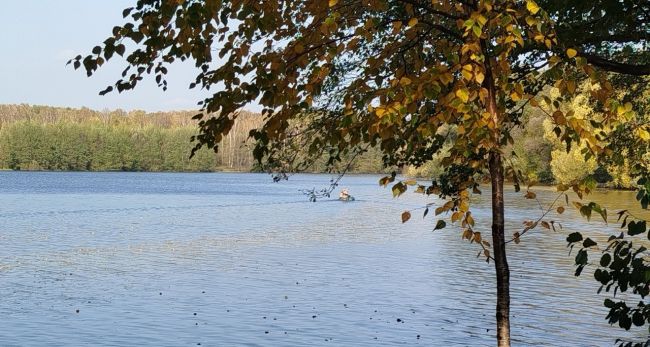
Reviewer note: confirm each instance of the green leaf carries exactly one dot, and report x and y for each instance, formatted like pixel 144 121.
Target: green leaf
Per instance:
pixel 440 225
pixel 605 260
pixel 477 30
pixel 574 237
pixel 119 49
pixel 589 243
pixel 127 11
pixel 638 319
pixel 636 228
pixel 582 257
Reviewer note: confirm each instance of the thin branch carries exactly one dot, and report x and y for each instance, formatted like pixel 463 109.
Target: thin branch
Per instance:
pixel 550 208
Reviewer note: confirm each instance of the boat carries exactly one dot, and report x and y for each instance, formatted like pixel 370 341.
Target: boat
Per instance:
pixel 346 198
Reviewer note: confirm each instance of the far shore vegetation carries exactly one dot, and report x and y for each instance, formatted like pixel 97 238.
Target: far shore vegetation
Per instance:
pixel 44 138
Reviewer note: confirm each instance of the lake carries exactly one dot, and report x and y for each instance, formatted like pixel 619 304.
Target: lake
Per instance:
pixel 174 259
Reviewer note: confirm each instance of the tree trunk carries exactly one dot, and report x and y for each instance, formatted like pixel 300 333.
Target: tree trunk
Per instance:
pixel 495 164
pixel 499 244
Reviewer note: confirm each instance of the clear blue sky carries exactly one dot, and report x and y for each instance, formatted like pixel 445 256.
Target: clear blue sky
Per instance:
pixel 37 37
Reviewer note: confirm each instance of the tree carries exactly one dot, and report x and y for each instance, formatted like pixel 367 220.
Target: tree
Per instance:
pixel 408 77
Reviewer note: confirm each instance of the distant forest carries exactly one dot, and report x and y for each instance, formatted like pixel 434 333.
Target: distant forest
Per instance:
pixel 67 139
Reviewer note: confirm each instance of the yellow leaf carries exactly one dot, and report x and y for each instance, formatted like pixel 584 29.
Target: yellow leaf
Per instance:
pixel 480 77
pixel 464 206
pixel 406 215
pixel 571 52
pixel 405 81
pixel 333 3
pixel 467 75
pixel 548 43
pixel 481 19
pixel 644 134
pixel 410 182
pixel 413 22
pixel 531 21
pixel 463 94
pixel 515 96
pixel 532 6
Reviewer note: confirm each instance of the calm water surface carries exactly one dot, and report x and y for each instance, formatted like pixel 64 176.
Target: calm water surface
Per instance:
pixel 126 259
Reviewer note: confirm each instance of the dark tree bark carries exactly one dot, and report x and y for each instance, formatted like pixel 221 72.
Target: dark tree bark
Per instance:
pixel 495 165
pixel 500 259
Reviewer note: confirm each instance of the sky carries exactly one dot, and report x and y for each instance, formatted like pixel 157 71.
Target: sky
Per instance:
pixel 38 37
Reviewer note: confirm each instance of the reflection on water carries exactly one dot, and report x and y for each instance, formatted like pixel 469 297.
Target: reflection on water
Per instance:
pixel 232 259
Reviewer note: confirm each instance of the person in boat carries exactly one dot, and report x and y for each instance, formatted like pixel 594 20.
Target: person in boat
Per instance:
pixel 345 195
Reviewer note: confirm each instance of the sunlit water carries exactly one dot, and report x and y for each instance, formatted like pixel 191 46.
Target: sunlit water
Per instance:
pixel 126 259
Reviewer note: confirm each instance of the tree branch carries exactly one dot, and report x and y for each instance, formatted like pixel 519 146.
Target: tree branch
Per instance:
pixel 612 66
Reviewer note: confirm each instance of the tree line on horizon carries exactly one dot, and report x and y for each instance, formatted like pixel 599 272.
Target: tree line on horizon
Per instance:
pixel 70 139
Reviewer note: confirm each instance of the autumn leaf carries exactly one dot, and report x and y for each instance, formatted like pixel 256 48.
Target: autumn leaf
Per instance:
pixel 571 52
pixel 480 77
pixel 463 94
pixel 405 81
pixel 532 7
pixel 406 215
pixel 397 26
